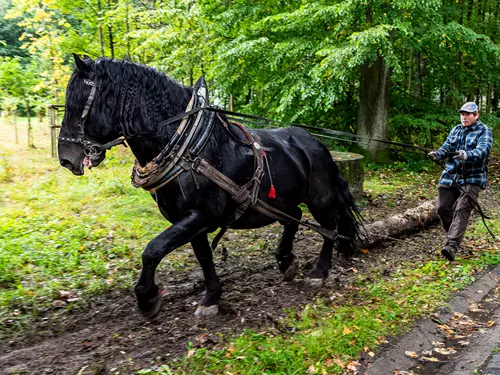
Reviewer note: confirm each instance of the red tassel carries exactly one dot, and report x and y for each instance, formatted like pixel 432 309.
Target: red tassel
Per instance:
pixel 272 192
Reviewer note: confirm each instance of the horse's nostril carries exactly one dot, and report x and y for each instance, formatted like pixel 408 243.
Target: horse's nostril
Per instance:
pixel 65 163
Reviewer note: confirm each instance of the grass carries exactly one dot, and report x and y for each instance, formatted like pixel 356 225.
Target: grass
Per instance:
pixel 64 239
pixel 63 234
pixel 328 336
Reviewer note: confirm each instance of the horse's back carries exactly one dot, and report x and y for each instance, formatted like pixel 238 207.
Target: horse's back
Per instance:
pixel 297 145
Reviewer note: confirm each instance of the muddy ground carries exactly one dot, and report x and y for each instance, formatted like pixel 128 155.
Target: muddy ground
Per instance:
pixel 108 335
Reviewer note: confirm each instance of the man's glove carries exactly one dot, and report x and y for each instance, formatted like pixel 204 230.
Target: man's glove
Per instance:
pixel 461 155
pixel 433 155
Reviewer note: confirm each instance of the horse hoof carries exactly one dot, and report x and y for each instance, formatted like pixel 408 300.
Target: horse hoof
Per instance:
pixel 315 283
pixel 289 274
pixel 155 309
pixel 206 312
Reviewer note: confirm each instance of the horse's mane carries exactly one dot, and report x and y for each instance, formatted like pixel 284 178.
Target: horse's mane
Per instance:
pixel 138 96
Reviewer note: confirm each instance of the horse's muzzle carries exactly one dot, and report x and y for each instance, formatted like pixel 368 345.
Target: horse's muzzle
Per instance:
pixel 71 156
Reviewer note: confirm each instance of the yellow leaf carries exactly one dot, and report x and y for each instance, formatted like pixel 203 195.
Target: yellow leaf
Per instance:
pixel 430 359
pixel 346 330
pixel 411 354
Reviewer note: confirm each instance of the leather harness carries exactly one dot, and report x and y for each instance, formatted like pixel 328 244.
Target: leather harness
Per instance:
pixel 181 154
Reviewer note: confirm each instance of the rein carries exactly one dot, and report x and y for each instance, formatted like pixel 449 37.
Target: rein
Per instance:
pixel 182 154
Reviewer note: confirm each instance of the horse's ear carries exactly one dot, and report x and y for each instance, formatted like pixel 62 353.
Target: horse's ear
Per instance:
pixel 80 64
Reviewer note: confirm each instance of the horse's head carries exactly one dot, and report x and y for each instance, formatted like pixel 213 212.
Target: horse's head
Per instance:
pixel 87 122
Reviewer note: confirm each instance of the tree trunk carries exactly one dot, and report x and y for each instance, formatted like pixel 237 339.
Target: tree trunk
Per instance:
pixel 458 82
pixel 31 142
pixel 495 99
pixel 99 15
pixel 409 221
pixel 14 122
pixel 420 85
pixel 373 104
pixel 410 75
pixel 127 23
pixel 110 33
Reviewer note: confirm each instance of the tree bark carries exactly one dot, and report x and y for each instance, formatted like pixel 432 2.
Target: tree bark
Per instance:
pixel 373 104
pixel 410 75
pixel 127 24
pixel 420 68
pixel 31 142
pixel 110 33
pixel 495 99
pixel 99 15
pixel 409 221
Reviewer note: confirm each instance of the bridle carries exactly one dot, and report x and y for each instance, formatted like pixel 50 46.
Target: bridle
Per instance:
pixel 90 148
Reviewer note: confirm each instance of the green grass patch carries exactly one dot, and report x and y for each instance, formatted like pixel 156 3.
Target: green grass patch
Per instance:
pixel 65 238
pixel 62 235
pixel 326 337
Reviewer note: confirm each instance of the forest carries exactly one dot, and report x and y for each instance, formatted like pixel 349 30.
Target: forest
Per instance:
pixel 382 69
pixel 71 247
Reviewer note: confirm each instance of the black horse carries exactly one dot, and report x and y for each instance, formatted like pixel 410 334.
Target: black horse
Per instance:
pixel 182 162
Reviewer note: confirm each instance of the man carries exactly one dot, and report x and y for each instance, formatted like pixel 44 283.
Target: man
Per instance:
pixel 465 174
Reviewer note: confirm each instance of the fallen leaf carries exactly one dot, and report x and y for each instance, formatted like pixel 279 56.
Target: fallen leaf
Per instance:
pixel 339 362
pixel 411 354
pixel 311 370
pixel 346 330
pixel 430 359
pixel 445 351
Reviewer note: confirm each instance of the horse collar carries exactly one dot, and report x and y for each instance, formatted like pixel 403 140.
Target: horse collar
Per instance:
pixel 185 145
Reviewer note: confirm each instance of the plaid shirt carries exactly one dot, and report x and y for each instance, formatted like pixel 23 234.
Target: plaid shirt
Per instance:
pixel 476 141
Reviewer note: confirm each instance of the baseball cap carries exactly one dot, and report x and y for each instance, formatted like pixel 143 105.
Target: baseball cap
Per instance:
pixel 469 107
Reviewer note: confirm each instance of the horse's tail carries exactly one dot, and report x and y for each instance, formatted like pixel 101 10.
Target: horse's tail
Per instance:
pixel 348 218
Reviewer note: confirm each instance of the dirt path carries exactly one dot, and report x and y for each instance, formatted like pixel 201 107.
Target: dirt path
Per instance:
pixel 108 335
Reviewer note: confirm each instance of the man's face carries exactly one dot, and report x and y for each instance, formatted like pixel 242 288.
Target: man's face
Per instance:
pixel 468 118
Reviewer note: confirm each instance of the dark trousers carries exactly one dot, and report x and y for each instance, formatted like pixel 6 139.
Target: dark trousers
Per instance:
pixel 454 208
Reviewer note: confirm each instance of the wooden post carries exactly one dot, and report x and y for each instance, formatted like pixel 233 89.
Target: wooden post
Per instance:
pixel 54 127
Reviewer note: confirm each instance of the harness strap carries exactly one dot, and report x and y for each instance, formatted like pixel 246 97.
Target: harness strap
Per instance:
pixel 202 167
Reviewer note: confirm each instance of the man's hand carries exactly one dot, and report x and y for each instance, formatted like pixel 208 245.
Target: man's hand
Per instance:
pixel 433 155
pixel 461 155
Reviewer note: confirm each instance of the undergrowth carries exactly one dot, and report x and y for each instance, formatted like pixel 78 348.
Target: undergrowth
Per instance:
pixel 64 239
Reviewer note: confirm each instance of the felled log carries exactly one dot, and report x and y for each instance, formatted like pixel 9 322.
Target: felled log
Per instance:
pixel 352 170
pixel 395 226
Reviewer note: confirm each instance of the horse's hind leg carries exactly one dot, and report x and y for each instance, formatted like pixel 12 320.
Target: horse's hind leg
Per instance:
pixel 284 255
pixel 209 304
pixel 319 273
pixel 324 213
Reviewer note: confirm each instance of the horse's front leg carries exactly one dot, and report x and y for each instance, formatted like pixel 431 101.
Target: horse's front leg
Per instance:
pixel 209 304
pixel 180 233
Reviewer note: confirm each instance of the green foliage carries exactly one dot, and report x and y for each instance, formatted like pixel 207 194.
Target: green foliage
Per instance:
pixel 9 35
